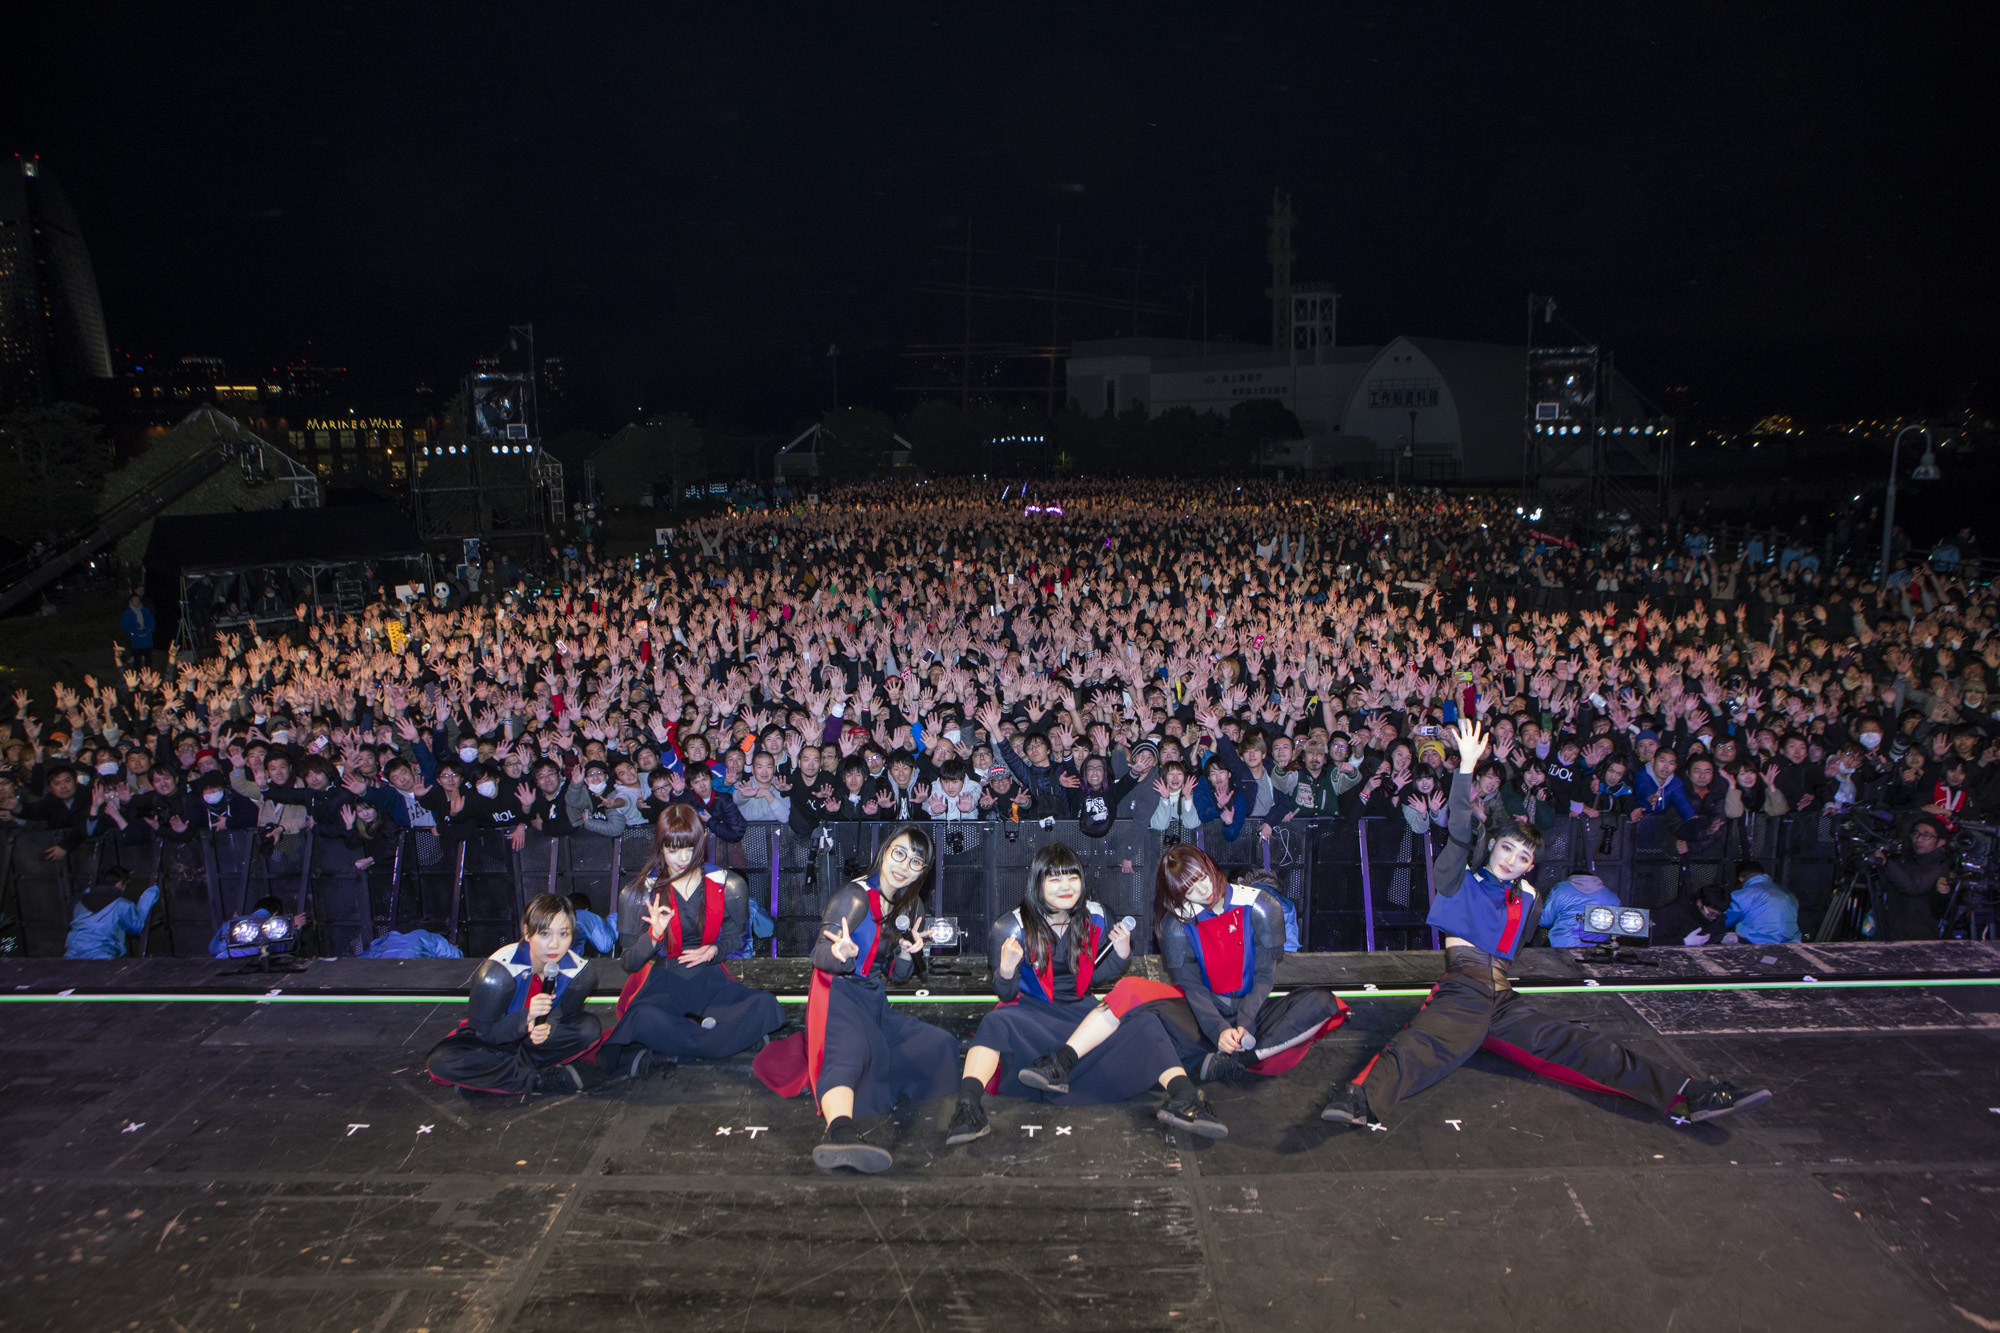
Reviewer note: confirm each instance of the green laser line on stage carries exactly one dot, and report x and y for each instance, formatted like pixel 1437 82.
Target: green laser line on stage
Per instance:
pixel 1381 993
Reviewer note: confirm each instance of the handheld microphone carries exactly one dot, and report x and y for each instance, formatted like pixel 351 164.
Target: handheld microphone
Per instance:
pixel 548 988
pixel 1129 925
pixel 903 928
pixel 706 1023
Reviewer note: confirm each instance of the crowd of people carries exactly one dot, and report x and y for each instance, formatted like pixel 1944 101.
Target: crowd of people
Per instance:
pixel 1170 654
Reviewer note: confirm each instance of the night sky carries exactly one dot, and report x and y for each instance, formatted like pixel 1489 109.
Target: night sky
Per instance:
pixel 1785 208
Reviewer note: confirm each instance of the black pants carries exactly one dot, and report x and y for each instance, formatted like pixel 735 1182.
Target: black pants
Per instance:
pixel 462 1060
pixel 1473 1006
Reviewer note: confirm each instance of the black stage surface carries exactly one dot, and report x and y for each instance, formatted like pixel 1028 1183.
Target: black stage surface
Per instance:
pixel 201 1162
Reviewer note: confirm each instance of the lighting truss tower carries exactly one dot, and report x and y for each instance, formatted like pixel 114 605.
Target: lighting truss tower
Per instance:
pixel 1591 442
pixel 487 474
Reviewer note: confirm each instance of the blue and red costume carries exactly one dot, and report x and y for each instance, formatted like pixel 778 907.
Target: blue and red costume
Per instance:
pixel 489 1050
pixel 853 1039
pixel 1041 1005
pixel 1473 1006
pixel 664 1001
pixel 1222 956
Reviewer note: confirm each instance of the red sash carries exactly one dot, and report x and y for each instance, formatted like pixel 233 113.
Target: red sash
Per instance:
pixel 711 930
pixel 1086 967
pixel 788 1067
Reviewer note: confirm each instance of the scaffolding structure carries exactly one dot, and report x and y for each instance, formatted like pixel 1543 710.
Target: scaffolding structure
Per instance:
pixel 487 474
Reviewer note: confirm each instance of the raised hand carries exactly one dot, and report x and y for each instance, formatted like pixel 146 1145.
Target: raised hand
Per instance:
pixel 844 947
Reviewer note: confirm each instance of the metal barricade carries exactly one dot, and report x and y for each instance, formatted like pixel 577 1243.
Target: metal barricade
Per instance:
pixel 42 892
pixel 489 902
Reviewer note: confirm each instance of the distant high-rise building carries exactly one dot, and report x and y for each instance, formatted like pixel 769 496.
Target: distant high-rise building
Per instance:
pixel 52 340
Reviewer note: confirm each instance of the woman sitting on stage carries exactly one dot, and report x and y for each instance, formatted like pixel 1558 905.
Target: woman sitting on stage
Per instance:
pixel 679 1000
pixel 527 1025
pixel 858 1055
pixel 1220 943
pixel 1067 949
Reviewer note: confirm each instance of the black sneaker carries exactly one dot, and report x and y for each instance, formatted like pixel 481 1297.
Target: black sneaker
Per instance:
pixel 559 1078
pixel 1045 1075
pixel 968 1122
pixel 1708 1101
pixel 1219 1068
pixel 863 1157
pixel 641 1061
pixel 1193 1116
pixel 1347 1106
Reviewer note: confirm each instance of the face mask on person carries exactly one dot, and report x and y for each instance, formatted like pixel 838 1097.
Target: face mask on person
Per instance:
pixel 107 768
pixel 596 786
pixel 212 797
pixel 468 753
pixel 489 788
pixel 1870 740
pixel 281 737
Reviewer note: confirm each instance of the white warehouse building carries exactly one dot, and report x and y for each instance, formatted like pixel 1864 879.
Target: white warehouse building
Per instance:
pixel 1453 409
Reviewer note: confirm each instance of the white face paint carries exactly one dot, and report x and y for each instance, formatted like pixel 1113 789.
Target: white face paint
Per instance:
pixel 1511 859
pixel 1062 891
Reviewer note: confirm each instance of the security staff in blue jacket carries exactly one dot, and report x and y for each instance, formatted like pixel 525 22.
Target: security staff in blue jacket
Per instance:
pixel 1761 911
pixel 1562 914
pixel 1486 916
pixel 104 916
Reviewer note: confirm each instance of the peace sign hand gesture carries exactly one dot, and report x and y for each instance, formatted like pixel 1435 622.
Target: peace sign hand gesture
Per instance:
pixel 844 947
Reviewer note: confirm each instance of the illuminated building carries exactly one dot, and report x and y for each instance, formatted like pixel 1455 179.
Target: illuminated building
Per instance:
pixel 52 340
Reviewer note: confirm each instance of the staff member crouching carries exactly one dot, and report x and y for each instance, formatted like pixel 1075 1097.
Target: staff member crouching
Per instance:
pixel 526 1029
pixel 1486 915
pixel 1063 941
pixel 680 1001
pixel 858 1055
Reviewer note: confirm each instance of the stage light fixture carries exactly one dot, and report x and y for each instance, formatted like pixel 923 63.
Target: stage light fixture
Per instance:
pixel 259 937
pixel 1630 922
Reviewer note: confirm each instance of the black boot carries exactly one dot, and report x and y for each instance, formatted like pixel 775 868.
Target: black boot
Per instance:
pixel 1187 1109
pixel 842 1147
pixel 1051 1072
pixel 1712 1100
pixel 1347 1106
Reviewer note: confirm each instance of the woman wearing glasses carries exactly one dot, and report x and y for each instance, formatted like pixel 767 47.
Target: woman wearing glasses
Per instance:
pixel 858 1055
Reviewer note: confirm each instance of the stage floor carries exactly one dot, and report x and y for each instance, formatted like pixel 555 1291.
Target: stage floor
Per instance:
pixel 202 1163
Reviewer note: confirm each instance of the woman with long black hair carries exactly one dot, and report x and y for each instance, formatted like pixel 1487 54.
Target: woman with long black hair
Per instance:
pixel 1220 943
pixel 858 1055
pixel 679 1000
pixel 1046 955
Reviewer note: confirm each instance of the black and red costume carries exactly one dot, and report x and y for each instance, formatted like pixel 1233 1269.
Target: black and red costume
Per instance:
pixel 489 1050
pixel 1040 1007
pixel 1222 956
pixel 853 1038
pixel 664 1001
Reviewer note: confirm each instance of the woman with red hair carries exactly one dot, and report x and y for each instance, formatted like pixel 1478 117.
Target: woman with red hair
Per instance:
pixel 679 1000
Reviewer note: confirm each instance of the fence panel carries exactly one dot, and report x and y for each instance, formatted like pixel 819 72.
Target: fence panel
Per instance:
pixel 491 904
pixel 42 889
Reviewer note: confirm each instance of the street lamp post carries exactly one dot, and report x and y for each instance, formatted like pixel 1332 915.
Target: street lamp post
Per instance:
pixel 1926 470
